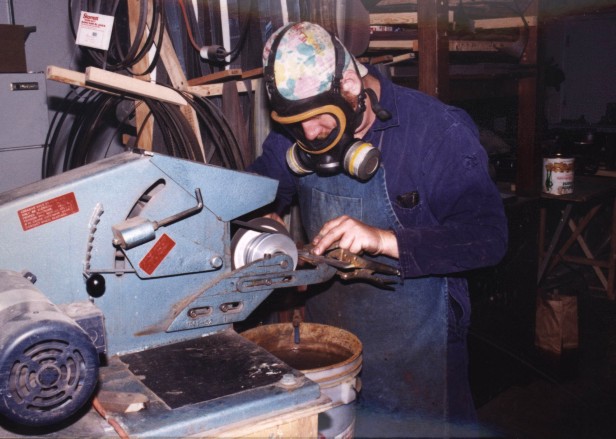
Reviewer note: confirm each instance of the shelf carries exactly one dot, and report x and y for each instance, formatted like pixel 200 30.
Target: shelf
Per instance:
pixel 439 34
pixel 477 71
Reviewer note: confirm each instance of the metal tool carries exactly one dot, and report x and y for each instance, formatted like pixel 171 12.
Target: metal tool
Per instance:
pixel 351 266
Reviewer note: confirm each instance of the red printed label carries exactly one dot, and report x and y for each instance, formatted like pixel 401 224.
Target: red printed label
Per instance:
pixel 155 256
pixel 48 211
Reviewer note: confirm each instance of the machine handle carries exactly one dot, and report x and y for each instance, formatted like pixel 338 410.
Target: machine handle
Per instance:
pixel 181 215
pixel 137 230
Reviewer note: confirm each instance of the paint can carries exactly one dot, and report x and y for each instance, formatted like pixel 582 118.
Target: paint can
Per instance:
pixel 558 172
pixel 329 356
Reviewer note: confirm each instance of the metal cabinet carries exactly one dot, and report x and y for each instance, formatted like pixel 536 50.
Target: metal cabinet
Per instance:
pixel 24 122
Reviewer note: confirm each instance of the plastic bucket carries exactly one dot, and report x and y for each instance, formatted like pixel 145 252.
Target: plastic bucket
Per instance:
pixel 329 356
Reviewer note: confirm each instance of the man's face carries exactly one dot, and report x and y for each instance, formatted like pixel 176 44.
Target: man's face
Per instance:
pixel 319 127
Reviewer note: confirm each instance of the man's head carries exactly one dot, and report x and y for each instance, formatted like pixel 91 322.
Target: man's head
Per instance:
pixel 316 93
pixel 305 60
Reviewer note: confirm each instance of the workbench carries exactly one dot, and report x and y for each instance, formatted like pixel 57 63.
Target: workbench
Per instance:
pixel 578 212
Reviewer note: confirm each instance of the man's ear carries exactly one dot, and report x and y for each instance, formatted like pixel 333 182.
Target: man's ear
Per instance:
pixel 351 82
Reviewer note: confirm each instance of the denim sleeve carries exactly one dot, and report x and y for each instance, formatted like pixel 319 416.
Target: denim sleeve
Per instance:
pixel 467 227
pixel 272 163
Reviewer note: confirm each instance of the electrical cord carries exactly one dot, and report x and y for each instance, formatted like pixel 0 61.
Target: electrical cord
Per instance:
pixel 115 58
pixel 82 135
pixel 158 24
pixel 217 53
pixel 188 26
pixel 226 150
pixel 54 130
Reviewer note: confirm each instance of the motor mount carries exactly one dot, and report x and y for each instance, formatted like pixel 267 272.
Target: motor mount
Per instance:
pixel 48 364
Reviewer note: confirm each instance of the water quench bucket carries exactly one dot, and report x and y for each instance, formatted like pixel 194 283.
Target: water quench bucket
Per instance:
pixel 558 172
pixel 329 356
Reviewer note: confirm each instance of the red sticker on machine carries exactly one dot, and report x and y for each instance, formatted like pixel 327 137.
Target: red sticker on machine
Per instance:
pixel 48 211
pixel 157 254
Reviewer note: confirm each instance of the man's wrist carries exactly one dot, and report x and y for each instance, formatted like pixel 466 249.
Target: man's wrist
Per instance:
pixel 388 245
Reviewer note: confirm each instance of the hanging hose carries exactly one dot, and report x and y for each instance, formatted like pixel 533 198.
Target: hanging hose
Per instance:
pixel 217 53
pixel 86 126
pixel 81 138
pixel 147 35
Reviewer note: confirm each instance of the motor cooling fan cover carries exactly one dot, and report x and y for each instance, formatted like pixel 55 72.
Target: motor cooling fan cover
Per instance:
pixel 48 364
pixel 47 373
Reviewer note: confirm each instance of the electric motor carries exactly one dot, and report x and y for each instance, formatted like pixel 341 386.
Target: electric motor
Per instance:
pixel 48 364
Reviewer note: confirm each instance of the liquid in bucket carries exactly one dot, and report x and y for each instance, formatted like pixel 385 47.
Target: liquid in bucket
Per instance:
pixel 329 356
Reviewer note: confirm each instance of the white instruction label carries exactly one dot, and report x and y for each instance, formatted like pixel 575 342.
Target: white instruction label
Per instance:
pixel 94 30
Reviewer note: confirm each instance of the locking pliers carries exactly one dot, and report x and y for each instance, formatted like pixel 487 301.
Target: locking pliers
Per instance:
pixel 353 267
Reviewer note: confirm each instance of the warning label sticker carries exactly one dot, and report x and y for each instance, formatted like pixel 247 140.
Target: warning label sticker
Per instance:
pixel 94 30
pixel 48 211
pixel 155 256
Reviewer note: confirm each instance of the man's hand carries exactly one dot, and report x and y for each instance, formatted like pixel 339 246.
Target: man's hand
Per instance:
pixel 355 236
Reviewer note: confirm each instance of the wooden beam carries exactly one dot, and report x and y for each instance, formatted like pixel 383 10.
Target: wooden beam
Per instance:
pixel 216 77
pixel 454 45
pixel 400 18
pixel 381 59
pixel 71 77
pixel 216 89
pixel 172 64
pixel 143 122
pixel 254 73
pixel 528 169
pixel 433 48
pixel 178 81
pixel 132 87
pixel 378 45
pixel 502 23
pixel 401 58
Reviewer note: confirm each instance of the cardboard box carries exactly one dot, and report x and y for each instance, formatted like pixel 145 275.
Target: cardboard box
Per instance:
pixel 12 49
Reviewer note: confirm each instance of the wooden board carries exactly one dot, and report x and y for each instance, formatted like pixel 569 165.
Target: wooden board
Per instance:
pixel 398 18
pixel 132 86
pixel 301 422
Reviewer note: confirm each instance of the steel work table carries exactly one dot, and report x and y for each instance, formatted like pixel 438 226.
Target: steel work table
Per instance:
pixel 591 194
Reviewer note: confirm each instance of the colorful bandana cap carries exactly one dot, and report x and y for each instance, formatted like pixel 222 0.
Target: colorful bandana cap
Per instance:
pixel 305 61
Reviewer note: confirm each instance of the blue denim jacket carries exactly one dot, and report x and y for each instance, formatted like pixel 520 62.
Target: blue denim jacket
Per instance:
pixel 433 149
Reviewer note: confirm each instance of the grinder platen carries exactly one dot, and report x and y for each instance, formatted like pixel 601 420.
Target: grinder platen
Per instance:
pixel 128 260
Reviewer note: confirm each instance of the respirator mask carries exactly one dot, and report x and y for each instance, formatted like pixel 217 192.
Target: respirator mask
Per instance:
pixel 339 150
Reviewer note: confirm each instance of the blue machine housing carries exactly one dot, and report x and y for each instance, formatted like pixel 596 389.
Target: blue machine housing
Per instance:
pixel 172 284
pixel 62 253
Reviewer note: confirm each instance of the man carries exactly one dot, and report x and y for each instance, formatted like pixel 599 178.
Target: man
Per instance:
pixel 396 175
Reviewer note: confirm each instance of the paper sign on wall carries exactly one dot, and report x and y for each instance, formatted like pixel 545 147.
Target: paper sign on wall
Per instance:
pixel 94 30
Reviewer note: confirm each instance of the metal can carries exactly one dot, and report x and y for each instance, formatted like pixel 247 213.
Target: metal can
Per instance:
pixel 558 172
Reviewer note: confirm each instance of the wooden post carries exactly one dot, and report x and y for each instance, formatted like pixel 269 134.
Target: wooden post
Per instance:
pixel 528 175
pixel 144 123
pixel 178 81
pixel 432 22
pixel 176 75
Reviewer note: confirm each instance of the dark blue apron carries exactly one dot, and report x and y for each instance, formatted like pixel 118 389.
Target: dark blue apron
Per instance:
pixel 403 332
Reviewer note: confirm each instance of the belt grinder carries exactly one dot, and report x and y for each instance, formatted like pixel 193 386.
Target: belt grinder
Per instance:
pixel 120 276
